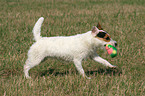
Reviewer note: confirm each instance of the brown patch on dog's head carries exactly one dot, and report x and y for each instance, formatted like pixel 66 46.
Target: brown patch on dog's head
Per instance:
pixel 99 26
pixel 102 35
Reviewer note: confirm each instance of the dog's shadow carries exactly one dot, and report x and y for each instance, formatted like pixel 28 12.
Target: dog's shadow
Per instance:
pixel 106 71
pixel 101 71
pixel 52 72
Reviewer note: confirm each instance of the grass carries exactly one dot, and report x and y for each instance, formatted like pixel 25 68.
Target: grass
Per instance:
pixel 122 19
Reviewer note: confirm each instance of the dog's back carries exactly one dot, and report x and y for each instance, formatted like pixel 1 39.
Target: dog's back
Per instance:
pixel 65 47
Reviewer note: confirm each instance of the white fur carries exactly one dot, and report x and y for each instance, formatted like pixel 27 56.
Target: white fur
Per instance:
pixel 72 48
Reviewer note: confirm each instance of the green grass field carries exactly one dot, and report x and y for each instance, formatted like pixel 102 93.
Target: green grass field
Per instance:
pixel 124 20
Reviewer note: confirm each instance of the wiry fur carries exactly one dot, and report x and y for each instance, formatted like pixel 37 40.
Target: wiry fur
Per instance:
pixel 73 48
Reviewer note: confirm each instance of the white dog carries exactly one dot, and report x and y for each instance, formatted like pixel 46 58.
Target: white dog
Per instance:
pixel 73 48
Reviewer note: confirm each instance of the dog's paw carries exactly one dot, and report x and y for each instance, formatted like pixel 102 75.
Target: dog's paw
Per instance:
pixel 28 77
pixel 88 77
pixel 113 66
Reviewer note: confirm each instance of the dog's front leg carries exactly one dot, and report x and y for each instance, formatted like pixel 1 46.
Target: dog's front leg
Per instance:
pixel 80 68
pixel 103 61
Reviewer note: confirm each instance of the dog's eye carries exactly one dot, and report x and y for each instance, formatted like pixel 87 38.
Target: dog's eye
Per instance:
pixel 107 38
pixel 101 34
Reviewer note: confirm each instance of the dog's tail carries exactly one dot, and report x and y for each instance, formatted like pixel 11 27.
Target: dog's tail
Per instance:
pixel 37 29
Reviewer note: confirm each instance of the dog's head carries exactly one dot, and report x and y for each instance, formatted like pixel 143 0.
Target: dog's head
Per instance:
pixel 102 36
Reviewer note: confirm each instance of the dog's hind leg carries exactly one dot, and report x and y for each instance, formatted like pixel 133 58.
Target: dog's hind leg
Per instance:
pixel 80 68
pixel 30 63
pixel 27 67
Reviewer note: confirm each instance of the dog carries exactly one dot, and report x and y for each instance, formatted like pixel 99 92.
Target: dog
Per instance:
pixel 71 48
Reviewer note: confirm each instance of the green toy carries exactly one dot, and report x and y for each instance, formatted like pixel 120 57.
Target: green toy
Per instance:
pixel 112 51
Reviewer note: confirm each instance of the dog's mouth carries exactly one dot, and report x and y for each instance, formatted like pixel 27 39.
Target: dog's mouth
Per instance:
pixel 115 45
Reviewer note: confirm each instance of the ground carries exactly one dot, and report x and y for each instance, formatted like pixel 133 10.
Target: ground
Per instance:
pixel 122 19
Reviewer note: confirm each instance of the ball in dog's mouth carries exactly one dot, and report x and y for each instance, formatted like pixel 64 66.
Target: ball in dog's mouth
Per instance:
pixel 112 51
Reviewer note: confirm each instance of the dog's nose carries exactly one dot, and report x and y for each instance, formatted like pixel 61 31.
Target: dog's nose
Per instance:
pixel 115 44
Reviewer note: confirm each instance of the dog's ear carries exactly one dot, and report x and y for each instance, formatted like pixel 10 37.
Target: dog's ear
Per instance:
pixel 99 26
pixel 95 31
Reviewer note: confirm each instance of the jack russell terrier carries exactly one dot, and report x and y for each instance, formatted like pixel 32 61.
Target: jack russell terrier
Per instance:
pixel 72 48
